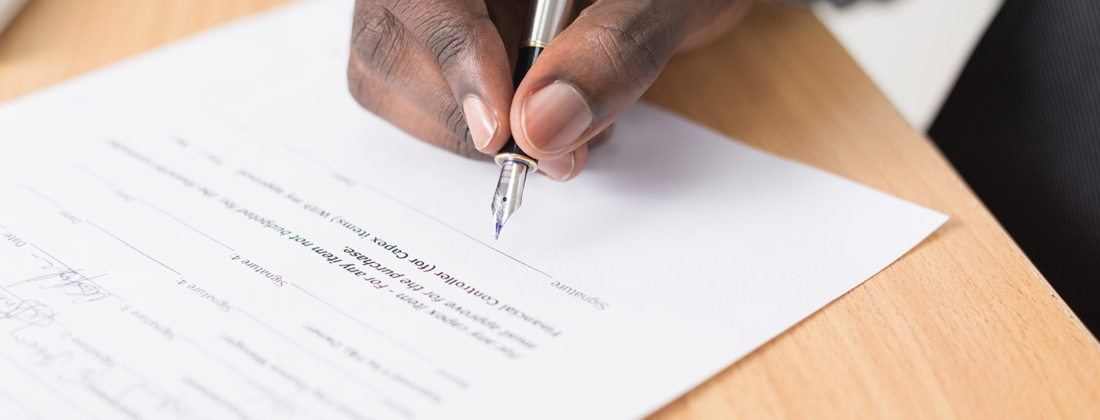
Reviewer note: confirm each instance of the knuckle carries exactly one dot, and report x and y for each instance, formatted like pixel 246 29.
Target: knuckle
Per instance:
pixel 632 47
pixel 377 40
pixel 447 36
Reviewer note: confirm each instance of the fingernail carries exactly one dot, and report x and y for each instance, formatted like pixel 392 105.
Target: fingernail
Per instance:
pixel 558 169
pixel 555 117
pixel 480 119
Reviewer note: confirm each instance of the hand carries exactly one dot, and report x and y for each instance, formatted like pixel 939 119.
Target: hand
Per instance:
pixel 440 70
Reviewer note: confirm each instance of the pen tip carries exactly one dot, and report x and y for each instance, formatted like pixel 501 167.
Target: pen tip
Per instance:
pixel 499 225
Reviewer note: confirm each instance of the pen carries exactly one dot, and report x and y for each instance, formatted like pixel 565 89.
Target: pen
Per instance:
pixel 545 20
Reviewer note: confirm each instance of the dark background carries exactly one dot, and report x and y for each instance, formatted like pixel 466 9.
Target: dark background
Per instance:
pixel 1022 126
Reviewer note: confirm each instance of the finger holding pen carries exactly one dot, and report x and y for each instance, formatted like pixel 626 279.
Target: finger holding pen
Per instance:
pixel 600 65
pixel 439 70
pixel 445 59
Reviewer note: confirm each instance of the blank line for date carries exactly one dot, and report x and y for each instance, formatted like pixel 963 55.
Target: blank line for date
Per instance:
pixel 89 222
pixel 95 175
pixel 42 196
pixel 108 182
pixel 130 246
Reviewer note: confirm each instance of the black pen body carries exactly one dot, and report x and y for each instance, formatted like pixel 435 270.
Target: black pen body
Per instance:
pixel 526 59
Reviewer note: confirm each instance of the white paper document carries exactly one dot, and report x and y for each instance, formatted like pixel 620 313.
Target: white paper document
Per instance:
pixel 216 230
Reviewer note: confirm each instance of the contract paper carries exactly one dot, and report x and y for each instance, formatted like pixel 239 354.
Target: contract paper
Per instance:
pixel 215 230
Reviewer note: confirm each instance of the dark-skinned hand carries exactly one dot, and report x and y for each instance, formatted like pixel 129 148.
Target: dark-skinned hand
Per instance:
pixel 441 70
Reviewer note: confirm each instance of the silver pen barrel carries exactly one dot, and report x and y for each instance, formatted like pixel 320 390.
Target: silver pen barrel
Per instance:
pixel 545 19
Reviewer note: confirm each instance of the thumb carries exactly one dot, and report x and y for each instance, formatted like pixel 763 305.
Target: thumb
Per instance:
pixel 597 68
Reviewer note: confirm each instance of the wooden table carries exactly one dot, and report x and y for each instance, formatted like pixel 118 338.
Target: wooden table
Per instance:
pixel 961 327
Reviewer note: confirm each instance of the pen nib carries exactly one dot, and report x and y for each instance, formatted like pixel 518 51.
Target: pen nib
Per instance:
pixel 509 193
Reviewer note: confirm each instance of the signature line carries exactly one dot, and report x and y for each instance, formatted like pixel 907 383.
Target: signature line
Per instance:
pixel 112 185
pixel 185 224
pixel 44 197
pixel 451 227
pixel 306 157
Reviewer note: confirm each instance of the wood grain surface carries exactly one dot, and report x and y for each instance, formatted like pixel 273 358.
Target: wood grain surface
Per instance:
pixel 961 327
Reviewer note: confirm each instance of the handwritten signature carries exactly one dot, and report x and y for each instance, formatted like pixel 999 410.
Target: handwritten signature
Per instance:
pixel 70 282
pixel 29 312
